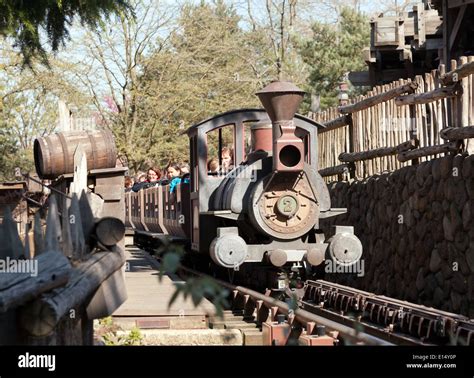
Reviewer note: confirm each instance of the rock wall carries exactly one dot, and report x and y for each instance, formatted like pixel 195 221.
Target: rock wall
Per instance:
pixel 416 225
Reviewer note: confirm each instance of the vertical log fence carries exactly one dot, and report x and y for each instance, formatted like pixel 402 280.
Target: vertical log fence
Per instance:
pixel 401 123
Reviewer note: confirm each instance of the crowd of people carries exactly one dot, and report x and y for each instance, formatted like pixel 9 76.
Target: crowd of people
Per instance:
pixel 175 173
pixel 172 175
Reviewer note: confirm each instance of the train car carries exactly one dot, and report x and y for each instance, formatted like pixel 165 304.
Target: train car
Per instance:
pixel 265 211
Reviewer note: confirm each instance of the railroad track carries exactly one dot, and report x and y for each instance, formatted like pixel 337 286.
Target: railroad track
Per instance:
pixel 297 324
pixel 346 315
pixel 390 319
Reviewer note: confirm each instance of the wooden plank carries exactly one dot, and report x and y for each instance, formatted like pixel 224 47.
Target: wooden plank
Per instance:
pixel 149 296
pixel 377 99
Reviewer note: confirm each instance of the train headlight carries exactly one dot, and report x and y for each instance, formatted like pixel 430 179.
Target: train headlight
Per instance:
pixel 344 247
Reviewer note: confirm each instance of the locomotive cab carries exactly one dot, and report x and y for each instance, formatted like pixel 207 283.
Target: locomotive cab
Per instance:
pixel 267 208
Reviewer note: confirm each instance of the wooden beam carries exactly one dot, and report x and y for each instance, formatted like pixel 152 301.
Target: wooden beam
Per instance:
pixel 42 315
pixel 427 97
pixel 457 133
pixel 109 231
pixel 382 97
pixel 333 171
pixel 459 3
pixel 446 22
pixel 457 25
pixel 336 123
pixel 359 78
pixel 16 289
pixel 426 151
pixel 347 157
pixel 459 73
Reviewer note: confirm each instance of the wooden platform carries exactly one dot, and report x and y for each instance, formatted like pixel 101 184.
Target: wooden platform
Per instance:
pixel 148 297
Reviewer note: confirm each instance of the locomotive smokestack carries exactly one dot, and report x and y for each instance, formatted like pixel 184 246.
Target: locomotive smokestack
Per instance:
pixel 281 100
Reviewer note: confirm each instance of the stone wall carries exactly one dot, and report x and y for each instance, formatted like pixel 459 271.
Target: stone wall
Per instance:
pixel 416 225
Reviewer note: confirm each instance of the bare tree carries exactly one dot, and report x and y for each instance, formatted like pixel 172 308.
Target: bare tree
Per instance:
pixel 111 61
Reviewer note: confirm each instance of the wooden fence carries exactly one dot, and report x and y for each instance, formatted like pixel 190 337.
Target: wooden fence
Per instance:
pixel 51 296
pixel 400 123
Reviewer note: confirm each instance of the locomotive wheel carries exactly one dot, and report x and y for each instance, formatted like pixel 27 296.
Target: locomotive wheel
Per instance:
pixel 284 206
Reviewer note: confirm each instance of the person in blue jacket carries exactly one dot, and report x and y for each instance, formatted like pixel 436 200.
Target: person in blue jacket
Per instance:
pixel 174 173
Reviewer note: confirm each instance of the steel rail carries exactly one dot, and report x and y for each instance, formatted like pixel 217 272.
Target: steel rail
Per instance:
pixel 395 311
pixel 301 315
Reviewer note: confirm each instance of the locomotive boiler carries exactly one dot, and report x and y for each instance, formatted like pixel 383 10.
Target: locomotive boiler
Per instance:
pixel 263 212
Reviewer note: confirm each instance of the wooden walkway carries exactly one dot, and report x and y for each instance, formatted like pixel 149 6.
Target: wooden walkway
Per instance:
pixel 148 297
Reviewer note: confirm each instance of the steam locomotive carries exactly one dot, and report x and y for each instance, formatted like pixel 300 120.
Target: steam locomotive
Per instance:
pixel 263 216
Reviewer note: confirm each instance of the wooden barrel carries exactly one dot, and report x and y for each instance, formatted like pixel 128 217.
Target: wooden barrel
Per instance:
pixel 54 154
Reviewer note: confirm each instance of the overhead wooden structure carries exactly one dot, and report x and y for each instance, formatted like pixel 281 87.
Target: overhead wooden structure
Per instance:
pixel 416 42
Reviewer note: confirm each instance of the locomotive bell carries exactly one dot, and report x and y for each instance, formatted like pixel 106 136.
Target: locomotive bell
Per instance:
pixel 281 100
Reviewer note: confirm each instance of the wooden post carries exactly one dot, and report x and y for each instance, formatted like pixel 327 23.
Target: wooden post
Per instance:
pixel 454 122
pixel 79 182
pixel 464 106
pixel 77 233
pixel 38 235
pixel 351 146
pixel 470 143
pixel 53 226
pixel 66 241
pixel 10 241
pixel 413 130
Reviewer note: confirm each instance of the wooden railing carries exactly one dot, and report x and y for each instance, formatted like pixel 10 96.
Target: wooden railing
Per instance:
pixel 400 123
pixel 71 278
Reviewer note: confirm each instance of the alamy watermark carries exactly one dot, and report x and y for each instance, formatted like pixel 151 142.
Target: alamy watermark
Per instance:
pixel 358 267
pixel 398 124
pixel 9 265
